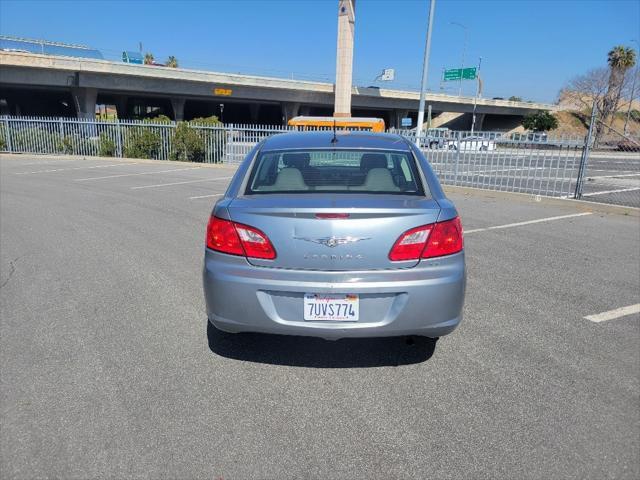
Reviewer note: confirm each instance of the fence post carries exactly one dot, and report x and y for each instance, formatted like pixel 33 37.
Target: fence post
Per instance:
pixel 459 147
pixel 60 128
pixel 584 158
pixel 6 126
pixel 118 138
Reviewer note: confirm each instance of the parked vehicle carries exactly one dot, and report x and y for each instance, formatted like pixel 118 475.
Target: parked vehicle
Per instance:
pixel 628 145
pixel 341 123
pixel 474 143
pixel 346 235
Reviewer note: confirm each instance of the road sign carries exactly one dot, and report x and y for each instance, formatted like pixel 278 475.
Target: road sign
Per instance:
pixel 469 73
pixel 388 75
pixel 459 74
pixel 222 92
pixel 453 74
pixel 405 122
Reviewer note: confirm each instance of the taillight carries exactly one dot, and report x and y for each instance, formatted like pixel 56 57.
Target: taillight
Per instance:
pixel 428 241
pixel 446 239
pixel 410 244
pixel 237 239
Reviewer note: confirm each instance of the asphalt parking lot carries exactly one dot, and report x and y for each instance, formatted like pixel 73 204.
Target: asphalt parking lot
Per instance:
pixel 108 369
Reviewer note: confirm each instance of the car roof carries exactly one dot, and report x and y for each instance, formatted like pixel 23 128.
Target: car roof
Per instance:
pixel 345 140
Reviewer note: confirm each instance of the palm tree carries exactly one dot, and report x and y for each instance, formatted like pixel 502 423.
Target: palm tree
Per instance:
pixel 172 62
pixel 148 58
pixel 620 59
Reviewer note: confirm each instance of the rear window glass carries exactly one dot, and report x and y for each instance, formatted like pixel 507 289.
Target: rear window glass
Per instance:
pixel 339 171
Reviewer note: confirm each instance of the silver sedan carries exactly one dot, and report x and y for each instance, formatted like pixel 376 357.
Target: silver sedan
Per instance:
pixel 346 235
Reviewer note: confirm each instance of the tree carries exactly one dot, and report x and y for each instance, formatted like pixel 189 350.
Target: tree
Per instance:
pixel 513 98
pixel 148 58
pixel 540 122
pixel 172 62
pixel 620 59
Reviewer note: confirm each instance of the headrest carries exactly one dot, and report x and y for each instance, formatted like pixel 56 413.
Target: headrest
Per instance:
pixel 373 160
pixel 297 160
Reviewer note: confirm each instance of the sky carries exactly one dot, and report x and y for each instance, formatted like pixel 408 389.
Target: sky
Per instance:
pixel 529 48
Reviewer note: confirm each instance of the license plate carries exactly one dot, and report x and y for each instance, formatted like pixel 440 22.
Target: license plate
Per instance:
pixel 331 307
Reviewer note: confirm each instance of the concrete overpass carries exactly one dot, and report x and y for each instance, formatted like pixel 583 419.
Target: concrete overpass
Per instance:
pixel 33 84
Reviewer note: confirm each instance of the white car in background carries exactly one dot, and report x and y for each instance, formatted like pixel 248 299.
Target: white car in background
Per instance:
pixel 475 144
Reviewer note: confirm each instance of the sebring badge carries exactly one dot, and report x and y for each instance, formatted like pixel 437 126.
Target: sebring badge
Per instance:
pixel 332 241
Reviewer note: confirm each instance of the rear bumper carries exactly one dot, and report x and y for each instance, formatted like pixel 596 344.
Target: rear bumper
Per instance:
pixel 424 300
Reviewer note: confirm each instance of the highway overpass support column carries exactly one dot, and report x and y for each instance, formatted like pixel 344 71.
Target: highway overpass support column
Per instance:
pixel 254 112
pixel 84 100
pixel 397 117
pixel 177 104
pixel 121 106
pixel 289 110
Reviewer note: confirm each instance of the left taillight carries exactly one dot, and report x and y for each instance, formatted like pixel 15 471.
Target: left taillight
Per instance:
pixel 238 239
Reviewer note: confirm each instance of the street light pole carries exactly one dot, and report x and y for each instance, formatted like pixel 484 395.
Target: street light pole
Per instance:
pixel 425 72
pixel 464 51
pixel 633 88
pixel 475 100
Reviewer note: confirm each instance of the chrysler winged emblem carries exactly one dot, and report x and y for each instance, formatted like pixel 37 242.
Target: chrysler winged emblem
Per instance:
pixel 332 241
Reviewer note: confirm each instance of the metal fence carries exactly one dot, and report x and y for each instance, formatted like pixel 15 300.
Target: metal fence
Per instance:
pixel 538 164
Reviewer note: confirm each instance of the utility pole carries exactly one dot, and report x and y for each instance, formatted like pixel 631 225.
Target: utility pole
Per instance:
pixel 464 51
pixel 633 89
pixel 475 100
pixel 425 72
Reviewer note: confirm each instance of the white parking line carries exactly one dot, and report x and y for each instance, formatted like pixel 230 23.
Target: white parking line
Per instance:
pixel 613 314
pixel 77 168
pixel 180 183
pixel 136 174
pixel 206 196
pixel 606 192
pixel 616 176
pixel 529 222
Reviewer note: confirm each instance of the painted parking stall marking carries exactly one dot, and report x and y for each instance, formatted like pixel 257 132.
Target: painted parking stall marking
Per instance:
pixel 136 174
pixel 122 164
pixel 613 314
pixel 528 222
pixel 206 196
pixel 180 183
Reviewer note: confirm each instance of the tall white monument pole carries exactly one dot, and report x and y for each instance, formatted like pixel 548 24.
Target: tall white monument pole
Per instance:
pixel 344 58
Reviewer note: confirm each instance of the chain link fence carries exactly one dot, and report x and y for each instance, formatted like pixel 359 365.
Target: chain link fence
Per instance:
pixel 532 163
pixel 611 171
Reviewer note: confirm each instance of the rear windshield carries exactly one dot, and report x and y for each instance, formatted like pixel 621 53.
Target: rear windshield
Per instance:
pixel 339 171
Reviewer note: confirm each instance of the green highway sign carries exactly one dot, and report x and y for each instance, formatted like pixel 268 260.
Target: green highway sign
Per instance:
pixel 469 73
pixel 459 74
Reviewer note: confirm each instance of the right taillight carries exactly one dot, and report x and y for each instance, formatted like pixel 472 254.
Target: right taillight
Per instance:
pixel 237 239
pixel 428 241
pixel 446 238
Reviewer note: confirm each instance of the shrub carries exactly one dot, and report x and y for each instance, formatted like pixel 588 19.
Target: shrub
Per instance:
pixel 142 142
pixel 187 144
pixel 540 122
pixel 36 140
pixel 194 141
pixel 77 144
pixel 215 140
pixel 3 136
pixel 106 146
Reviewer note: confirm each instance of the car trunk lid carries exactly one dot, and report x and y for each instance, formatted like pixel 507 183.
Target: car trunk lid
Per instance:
pixel 307 236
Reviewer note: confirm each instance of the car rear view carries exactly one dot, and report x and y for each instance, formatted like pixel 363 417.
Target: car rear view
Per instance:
pixel 335 236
